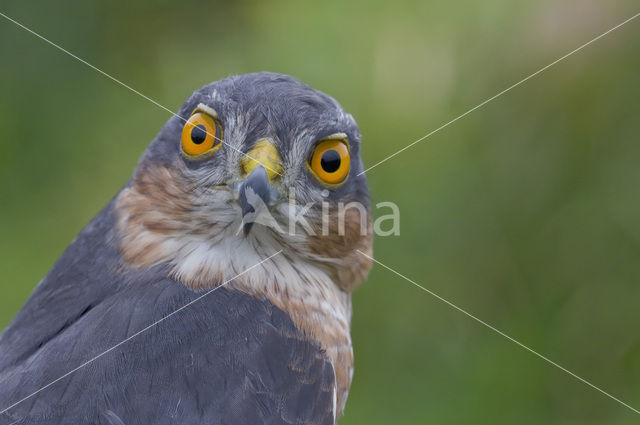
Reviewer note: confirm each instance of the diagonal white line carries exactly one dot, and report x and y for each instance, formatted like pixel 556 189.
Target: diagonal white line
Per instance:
pixel 114 79
pixel 501 93
pixel 137 333
pixel 449 303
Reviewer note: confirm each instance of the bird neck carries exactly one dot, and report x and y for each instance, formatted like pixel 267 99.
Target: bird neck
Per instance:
pixel 308 291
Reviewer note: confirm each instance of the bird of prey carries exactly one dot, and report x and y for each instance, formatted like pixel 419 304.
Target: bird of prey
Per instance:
pixel 271 344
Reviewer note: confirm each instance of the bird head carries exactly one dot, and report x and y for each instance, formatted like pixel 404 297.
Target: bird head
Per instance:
pixel 250 165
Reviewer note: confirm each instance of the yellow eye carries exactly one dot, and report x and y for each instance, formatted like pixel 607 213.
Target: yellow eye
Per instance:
pixel 330 161
pixel 202 133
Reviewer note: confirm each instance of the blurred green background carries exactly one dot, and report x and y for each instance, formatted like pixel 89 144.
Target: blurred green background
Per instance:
pixel 525 213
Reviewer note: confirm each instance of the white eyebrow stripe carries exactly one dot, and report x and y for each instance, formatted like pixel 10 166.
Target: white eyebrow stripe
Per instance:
pixel 208 109
pixel 336 136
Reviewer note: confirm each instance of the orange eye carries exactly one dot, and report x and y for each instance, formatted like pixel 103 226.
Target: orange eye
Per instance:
pixel 330 161
pixel 202 133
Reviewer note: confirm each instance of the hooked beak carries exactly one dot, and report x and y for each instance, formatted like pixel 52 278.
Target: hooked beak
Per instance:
pixel 255 194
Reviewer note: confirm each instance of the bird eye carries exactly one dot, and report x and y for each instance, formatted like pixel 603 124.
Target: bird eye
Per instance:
pixel 330 161
pixel 201 134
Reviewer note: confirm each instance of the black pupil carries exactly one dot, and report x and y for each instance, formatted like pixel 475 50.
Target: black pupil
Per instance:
pixel 330 161
pixel 198 134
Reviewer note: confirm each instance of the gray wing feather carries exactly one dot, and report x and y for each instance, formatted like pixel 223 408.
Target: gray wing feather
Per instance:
pixel 227 359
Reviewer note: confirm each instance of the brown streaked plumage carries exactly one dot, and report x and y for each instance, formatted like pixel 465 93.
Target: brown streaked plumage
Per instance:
pixel 156 209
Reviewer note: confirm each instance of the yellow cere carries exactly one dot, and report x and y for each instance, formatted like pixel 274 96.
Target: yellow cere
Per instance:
pixel 263 153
